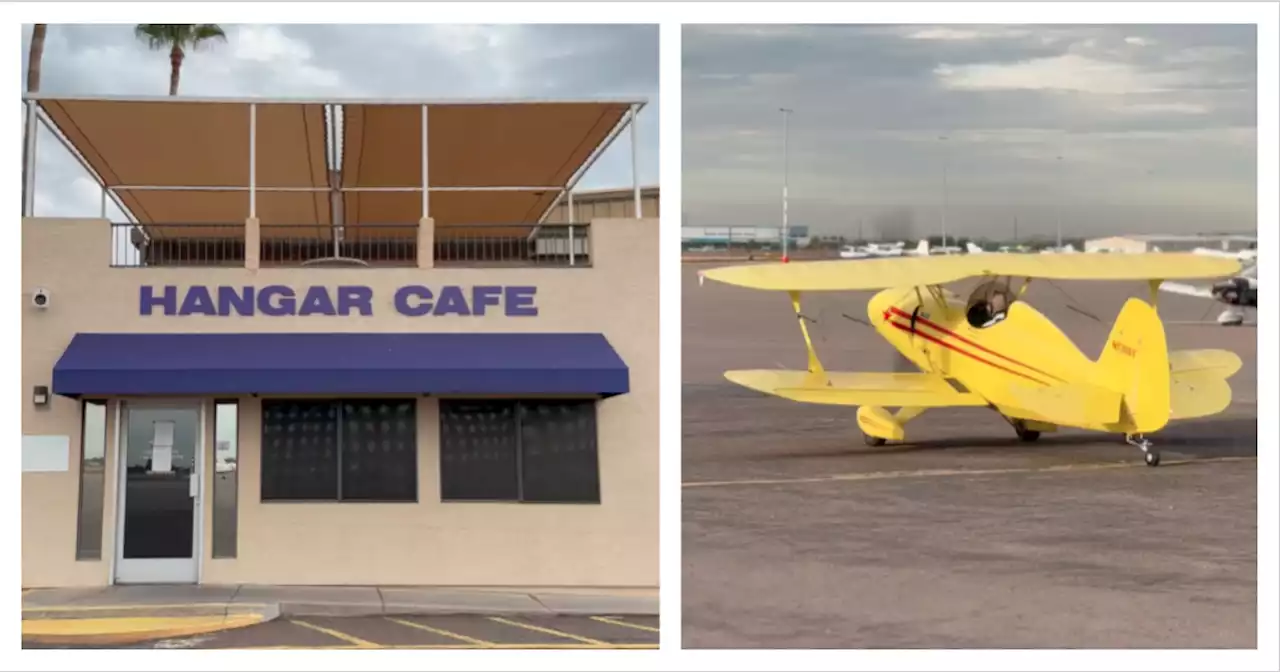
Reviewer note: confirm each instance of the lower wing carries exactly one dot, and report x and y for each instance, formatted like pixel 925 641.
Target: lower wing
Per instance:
pixel 920 390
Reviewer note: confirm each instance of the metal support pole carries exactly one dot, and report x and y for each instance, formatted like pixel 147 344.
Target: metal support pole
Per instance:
pixel 635 169
pixel 102 208
pixel 945 161
pixel 571 243
pixel 571 219
pixel 1057 212
pixel 786 150
pixel 253 161
pixel 426 191
pixel 29 168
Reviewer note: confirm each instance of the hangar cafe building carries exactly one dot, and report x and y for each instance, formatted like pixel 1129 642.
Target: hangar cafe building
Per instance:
pixel 338 342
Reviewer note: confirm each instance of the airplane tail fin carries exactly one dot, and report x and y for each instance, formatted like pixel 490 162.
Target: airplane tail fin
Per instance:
pixel 973 249
pixel 923 248
pixel 1135 363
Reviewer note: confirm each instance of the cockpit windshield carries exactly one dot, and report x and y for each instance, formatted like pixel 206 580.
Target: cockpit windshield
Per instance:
pixel 989 303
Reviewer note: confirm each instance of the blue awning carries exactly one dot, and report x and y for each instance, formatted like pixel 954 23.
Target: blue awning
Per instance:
pixel 290 363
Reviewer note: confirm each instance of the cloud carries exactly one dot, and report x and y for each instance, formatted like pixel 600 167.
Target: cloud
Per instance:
pixel 356 61
pixel 1156 126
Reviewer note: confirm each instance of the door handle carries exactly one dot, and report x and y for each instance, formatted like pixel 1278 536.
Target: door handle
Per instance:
pixel 193 484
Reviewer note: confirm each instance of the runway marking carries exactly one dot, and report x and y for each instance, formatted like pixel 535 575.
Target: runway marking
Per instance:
pixel 937 473
pixel 442 632
pixel 338 634
pixel 549 631
pixel 613 621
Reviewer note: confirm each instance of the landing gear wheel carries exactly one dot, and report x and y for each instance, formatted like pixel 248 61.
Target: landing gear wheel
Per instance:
pixel 1149 454
pixel 872 440
pixel 1025 435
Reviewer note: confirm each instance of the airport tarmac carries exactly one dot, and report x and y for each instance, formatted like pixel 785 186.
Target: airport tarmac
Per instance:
pixel 798 535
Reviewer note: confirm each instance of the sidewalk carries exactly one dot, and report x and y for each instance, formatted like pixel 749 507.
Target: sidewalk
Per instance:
pixel 128 614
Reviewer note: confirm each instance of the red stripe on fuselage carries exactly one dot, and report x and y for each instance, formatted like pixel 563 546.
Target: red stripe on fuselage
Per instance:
pixel 966 353
pixel 901 313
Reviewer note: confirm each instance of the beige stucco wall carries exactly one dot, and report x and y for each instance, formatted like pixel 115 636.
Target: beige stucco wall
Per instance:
pixel 614 543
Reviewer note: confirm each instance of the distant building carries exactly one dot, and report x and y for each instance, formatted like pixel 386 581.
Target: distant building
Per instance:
pixel 605 204
pixel 1170 243
pixel 692 237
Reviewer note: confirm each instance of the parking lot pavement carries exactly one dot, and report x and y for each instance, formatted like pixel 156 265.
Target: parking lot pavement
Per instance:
pixel 434 632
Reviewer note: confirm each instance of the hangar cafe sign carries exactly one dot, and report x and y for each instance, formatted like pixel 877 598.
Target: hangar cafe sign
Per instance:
pixel 344 300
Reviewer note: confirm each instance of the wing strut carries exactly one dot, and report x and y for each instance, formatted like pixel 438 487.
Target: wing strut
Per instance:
pixel 1155 291
pixel 815 365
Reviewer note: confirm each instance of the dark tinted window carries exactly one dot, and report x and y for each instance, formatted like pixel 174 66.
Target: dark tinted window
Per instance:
pixel 558 451
pixel 478 450
pixel 531 451
pixel 379 450
pixel 362 449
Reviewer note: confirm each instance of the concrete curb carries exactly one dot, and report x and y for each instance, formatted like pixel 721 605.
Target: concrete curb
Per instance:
pixel 123 631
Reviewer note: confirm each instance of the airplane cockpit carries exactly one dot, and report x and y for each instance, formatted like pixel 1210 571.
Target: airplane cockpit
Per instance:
pixel 989 303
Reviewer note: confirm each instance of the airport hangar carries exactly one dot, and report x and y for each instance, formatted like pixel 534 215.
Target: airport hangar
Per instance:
pixel 1170 243
pixel 337 343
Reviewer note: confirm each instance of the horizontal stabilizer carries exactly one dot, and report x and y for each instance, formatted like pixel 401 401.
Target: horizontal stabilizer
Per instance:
pixel 1221 363
pixel 856 389
pixel 1197 395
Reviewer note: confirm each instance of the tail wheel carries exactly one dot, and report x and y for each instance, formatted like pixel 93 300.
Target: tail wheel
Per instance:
pixel 872 440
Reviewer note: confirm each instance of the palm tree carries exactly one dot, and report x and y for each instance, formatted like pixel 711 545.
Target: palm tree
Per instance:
pixel 33 86
pixel 37 55
pixel 176 37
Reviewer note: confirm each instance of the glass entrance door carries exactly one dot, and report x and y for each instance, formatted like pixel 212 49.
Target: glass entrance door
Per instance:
pixel 159 495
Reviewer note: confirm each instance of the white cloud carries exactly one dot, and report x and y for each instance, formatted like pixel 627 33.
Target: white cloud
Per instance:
pixel 1139 41
pixel 1069 72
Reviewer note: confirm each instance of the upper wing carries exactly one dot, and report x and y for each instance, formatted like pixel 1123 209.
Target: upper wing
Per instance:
pixel 919 390
pixel 914 271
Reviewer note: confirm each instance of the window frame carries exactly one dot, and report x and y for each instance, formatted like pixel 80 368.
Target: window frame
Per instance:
pixel 519 405
pixel 338 440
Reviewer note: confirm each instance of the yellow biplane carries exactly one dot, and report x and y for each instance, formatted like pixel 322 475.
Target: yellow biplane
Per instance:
pixel 995 350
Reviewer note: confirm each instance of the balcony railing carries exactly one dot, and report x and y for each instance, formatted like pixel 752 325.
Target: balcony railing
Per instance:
pixel 342 246
pixel 363 245
pixel 134 245
pixel 496 245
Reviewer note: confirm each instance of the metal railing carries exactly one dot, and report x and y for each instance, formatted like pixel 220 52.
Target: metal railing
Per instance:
pixel 341 246
pixel 135 246
pixel 464 245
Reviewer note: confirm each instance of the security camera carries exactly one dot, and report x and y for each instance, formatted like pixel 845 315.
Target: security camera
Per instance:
pixel 40 298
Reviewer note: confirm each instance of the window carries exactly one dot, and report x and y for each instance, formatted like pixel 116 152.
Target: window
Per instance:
pixel 522 451
pixel 226 435
pixel 349 450
pixel 93 453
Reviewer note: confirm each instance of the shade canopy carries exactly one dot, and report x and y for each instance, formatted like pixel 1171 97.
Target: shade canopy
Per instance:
pixel 190 142
pixel 339 363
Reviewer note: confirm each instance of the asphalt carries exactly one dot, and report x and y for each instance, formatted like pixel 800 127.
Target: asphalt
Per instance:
pixel 797 535
pixel 422 632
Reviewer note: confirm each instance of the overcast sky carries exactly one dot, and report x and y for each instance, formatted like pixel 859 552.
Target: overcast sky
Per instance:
pixel 1156 127
pixel 406 61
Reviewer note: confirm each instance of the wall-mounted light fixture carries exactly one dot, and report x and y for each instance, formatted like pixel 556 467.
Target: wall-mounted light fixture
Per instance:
pixel 40 396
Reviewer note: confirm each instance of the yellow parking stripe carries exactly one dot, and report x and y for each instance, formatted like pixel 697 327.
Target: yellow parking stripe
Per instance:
pixel 549 631
pixel 350 639
pixel 614 621
pixel 441 632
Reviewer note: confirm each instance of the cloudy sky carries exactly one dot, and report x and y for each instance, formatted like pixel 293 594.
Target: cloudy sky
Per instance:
pixel 1156 127
pixel 404 61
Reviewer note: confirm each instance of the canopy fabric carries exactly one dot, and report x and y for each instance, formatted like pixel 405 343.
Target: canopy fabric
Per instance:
pixel 130 364
pixel 171 144
pixel 191 142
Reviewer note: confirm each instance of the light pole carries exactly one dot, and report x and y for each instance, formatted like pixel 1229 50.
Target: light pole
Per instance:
pixel 945 158
pixel 1057 212
pixel 785 149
